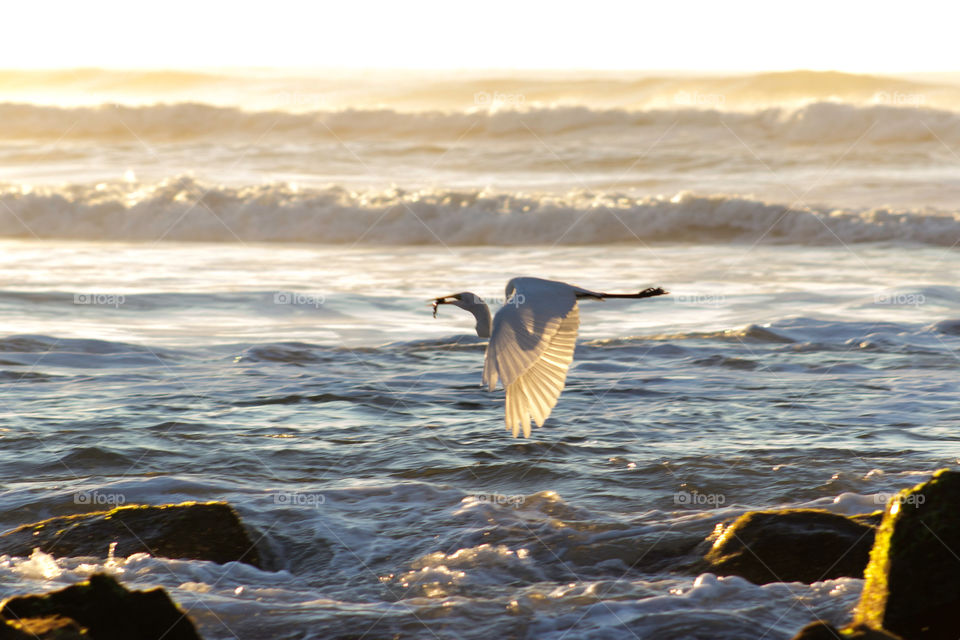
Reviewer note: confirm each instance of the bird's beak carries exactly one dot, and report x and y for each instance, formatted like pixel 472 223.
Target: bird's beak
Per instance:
pixel 436 302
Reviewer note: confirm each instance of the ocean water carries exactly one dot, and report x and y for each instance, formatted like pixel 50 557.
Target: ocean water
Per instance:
pixel 216 286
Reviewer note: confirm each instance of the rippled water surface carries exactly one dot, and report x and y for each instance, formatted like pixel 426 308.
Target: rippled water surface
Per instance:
pixel 215 286
pixel 310 387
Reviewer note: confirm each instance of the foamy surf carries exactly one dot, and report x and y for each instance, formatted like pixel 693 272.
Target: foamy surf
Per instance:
pixel 812 124
pixel 188 210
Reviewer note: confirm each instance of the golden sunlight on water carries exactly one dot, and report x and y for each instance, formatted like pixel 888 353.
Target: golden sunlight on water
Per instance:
pixel 412 90
pixel 223 231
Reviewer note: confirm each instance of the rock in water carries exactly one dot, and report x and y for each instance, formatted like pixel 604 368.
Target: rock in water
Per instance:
pixel 912 583
pixel 792 545
pixel 107 611
pixel 49 628
pixel 191 530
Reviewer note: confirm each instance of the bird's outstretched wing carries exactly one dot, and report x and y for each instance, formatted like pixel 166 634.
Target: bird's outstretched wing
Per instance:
pixel 531 348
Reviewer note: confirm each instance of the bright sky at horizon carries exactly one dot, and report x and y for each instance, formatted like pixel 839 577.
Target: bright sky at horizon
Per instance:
pixel 741 35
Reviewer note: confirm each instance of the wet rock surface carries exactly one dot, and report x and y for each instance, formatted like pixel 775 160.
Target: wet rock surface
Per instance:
pixel 792 545
pixel 46 628
pixel 912 585
pixel 100 609
pixel 196 531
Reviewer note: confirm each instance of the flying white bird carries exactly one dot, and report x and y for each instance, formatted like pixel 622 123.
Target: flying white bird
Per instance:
pixel 532 339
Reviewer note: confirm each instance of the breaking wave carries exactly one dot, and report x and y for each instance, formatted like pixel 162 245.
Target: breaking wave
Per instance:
pixel 814 123
pixel 184 209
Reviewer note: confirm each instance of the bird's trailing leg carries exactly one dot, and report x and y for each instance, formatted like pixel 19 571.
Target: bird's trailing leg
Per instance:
pixel 646 293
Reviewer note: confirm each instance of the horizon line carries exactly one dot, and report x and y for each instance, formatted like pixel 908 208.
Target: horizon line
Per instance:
pixel 387 69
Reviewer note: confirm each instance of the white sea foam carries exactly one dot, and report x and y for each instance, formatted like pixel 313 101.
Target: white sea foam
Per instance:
pixel 185 209
pixel 710 602
pixel 814 123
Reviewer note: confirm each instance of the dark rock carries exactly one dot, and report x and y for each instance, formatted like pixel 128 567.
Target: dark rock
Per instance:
pixel 823 631
pixel 913 580
pixel 870 519
pixel 196 531
pixel 45 628
pixel 107 611
pixel 791 545
pixel 48 628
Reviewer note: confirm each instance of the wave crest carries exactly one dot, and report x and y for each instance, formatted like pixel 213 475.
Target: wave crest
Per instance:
pixel 813 123
pixel 184 209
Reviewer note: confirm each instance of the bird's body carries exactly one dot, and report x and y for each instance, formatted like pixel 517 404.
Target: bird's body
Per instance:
pixel 532 339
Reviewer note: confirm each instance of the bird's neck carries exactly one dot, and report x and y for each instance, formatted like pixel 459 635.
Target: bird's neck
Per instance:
pixel 482 314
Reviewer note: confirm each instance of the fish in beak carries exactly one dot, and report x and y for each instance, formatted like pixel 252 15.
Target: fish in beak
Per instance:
pixel 436 302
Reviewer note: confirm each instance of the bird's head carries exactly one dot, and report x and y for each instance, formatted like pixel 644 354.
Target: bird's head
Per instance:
pixel 464 300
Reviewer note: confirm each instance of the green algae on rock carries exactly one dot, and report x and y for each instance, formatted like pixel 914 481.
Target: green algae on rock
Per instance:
pixel 823 631
pixel 913 580
pixel 46 628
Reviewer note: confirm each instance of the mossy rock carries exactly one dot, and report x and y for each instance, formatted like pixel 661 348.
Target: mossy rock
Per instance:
pixel 106 611
pixel 912 583
pixel 822 631
pixel 191 530
pixel 792 545
pixel 46 628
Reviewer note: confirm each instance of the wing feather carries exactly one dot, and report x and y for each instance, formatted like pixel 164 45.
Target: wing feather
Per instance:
pixel 531 347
